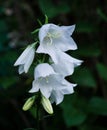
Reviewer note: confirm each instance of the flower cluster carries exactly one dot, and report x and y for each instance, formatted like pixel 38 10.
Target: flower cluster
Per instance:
pixel 49 77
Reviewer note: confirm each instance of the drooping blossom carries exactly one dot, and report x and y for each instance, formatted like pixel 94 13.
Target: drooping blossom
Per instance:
pixel 25 59
pixel 50 83
pixel 65 64
pixel 53 37
pixel 57 95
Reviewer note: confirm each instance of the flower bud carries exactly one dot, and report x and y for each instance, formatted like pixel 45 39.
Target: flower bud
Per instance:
pixel 47 105
pixel 28 104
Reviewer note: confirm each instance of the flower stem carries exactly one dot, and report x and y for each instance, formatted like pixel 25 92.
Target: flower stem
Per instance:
pixel 37 112
pixel 38 126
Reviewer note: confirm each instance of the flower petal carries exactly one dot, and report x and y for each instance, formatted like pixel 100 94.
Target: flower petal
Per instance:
pixel 43 70
pixel 35 87
pixel 29 60
pixel 68 29
pixel 22 59
pixel 68 88
pixel 57 96
pixel 46 91
pixel 65 65
pixel 43 32
pixel 65 43
pixel 45 29
pixel 21 69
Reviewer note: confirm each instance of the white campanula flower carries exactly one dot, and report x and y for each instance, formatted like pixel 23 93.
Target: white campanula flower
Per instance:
pixel 57 95
pixel 65 64
pixel 50 83
pixel 53 37
pixel 26 58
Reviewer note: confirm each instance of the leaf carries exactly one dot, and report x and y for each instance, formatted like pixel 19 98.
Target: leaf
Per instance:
pixel 35 31
pixel 51 9
pixel 88 51
pixel 46 19
pixel 85 27
pixel 72 113
pixel 91 127
pixel 7 82
pixel 98 106
pixel 102 70
pixel 33 112
pixel 101 14
pixel 84 77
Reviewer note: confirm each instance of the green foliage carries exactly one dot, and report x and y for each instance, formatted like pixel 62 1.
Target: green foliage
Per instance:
pixel 85 27
pixel 98 106
pixel 102 15
pixel 73 111
pixel 102 70
pixel 52 9
pixel 84 77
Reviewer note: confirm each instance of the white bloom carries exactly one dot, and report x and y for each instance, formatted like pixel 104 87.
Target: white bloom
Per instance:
pixel 53 37
pixel 50 83
pixel 58 94
pixel 65 64
pixel 25 60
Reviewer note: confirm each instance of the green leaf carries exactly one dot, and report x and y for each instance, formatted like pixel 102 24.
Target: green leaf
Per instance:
pixel 85 27
pixel 33 112
pixel 46 19
pixel 51 9
pixel 88 51
pixel 40 23
pixel 73 113
pixel 98 106
pixel 84 77
pixel 35 31
pixel 101 14
pixel 91 127
pixel 7 82
pixel 102 70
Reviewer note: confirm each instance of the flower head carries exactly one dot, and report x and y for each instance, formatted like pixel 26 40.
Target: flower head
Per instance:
pixel 53 37
pixel 65 64
pixel 57 95
pixel 25 60
pixel 50 83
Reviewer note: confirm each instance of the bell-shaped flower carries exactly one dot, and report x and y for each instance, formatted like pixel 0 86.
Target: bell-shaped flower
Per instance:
pixel 25 60
pixel 57 94
pixel 53 37
pixel 47 81
pixel 65 64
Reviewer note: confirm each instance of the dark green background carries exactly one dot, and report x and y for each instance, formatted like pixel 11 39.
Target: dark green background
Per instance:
pixel 86 109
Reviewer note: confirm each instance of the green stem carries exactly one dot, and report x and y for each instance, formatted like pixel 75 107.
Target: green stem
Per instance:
pixel 37 112
pixel 38 126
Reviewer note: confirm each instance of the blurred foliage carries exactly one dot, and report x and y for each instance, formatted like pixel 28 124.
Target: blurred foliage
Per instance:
pixel 85 109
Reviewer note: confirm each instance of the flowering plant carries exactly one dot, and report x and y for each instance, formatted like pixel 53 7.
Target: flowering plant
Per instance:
pixel 49 75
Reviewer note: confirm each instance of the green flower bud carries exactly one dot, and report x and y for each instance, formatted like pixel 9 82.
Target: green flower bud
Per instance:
pixel 47 105
pixel 28 104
